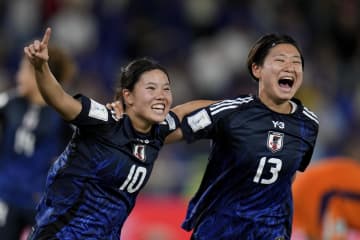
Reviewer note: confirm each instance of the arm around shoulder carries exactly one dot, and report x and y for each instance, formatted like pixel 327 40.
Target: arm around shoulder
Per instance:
pixel 184 109
pixel 181 111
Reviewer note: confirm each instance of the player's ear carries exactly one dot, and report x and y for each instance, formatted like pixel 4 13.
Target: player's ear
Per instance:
pixel 256 70
pixel 128 97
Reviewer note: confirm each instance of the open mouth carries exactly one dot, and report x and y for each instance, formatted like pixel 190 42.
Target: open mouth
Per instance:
pixel 286 82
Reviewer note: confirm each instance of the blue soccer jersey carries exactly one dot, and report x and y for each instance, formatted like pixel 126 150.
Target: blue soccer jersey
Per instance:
pixel 93 185
pixel 246 189
pixel 33 136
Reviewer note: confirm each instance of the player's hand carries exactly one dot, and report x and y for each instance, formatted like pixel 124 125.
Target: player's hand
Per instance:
pixel 37 52
pixel 116 108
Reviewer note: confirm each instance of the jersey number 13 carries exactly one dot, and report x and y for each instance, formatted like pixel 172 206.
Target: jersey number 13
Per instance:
pixel 275 168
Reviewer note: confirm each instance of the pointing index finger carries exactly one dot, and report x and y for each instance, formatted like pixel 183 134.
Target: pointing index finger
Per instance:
pixel 46 36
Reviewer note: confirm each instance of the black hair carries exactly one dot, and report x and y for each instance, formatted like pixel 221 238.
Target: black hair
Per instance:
pixel 262 46
pixel 130 74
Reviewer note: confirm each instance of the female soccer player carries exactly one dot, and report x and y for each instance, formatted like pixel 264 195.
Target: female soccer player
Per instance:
pixel 258 145
pixel 93 185
pixel 33 136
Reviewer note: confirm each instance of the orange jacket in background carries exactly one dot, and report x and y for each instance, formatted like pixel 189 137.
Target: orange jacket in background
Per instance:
pixel 329 188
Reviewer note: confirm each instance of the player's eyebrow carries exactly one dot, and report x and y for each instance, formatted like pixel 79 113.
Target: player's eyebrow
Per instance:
pixel 287 55
pixel 151 83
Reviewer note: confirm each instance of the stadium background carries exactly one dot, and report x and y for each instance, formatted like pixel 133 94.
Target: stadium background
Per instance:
pixel 204 45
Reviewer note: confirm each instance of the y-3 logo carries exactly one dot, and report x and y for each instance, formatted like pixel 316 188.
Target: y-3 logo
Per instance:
pixel 278 124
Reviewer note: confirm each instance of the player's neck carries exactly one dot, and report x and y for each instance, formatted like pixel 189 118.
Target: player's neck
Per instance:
pixel 283 107
pixel 139 124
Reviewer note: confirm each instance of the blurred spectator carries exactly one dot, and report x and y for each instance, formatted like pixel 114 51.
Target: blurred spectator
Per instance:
pixel 33 136
pixel 75 28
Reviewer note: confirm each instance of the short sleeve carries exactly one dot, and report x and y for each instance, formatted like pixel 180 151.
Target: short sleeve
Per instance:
pixel 208 122
pixel 170 124
pixel 92 112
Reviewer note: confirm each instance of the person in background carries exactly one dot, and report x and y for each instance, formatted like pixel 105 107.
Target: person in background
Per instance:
pixel 92 187
pixel 327 200
pixel 33 135
pixel 259 142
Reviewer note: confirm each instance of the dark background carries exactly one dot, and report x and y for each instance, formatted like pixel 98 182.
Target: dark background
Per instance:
pixel 204 44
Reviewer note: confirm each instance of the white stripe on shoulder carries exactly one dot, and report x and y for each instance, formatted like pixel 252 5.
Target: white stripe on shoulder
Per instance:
pixel 310 112
pixel 229 104
pixel 310 115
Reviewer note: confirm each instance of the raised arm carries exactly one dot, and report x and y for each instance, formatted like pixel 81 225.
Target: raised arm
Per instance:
pixel 49 87
pixel 181 111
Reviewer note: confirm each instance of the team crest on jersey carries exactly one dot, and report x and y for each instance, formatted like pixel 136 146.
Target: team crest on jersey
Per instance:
pixel 139 151
pixel 275 141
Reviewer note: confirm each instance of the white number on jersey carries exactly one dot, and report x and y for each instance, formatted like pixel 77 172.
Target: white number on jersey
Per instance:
pixel 24 142
pixel 134 179
pixel 24 137
pixel 275 168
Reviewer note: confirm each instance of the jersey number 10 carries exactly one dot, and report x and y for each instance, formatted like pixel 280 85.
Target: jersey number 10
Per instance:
pixel 135 179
